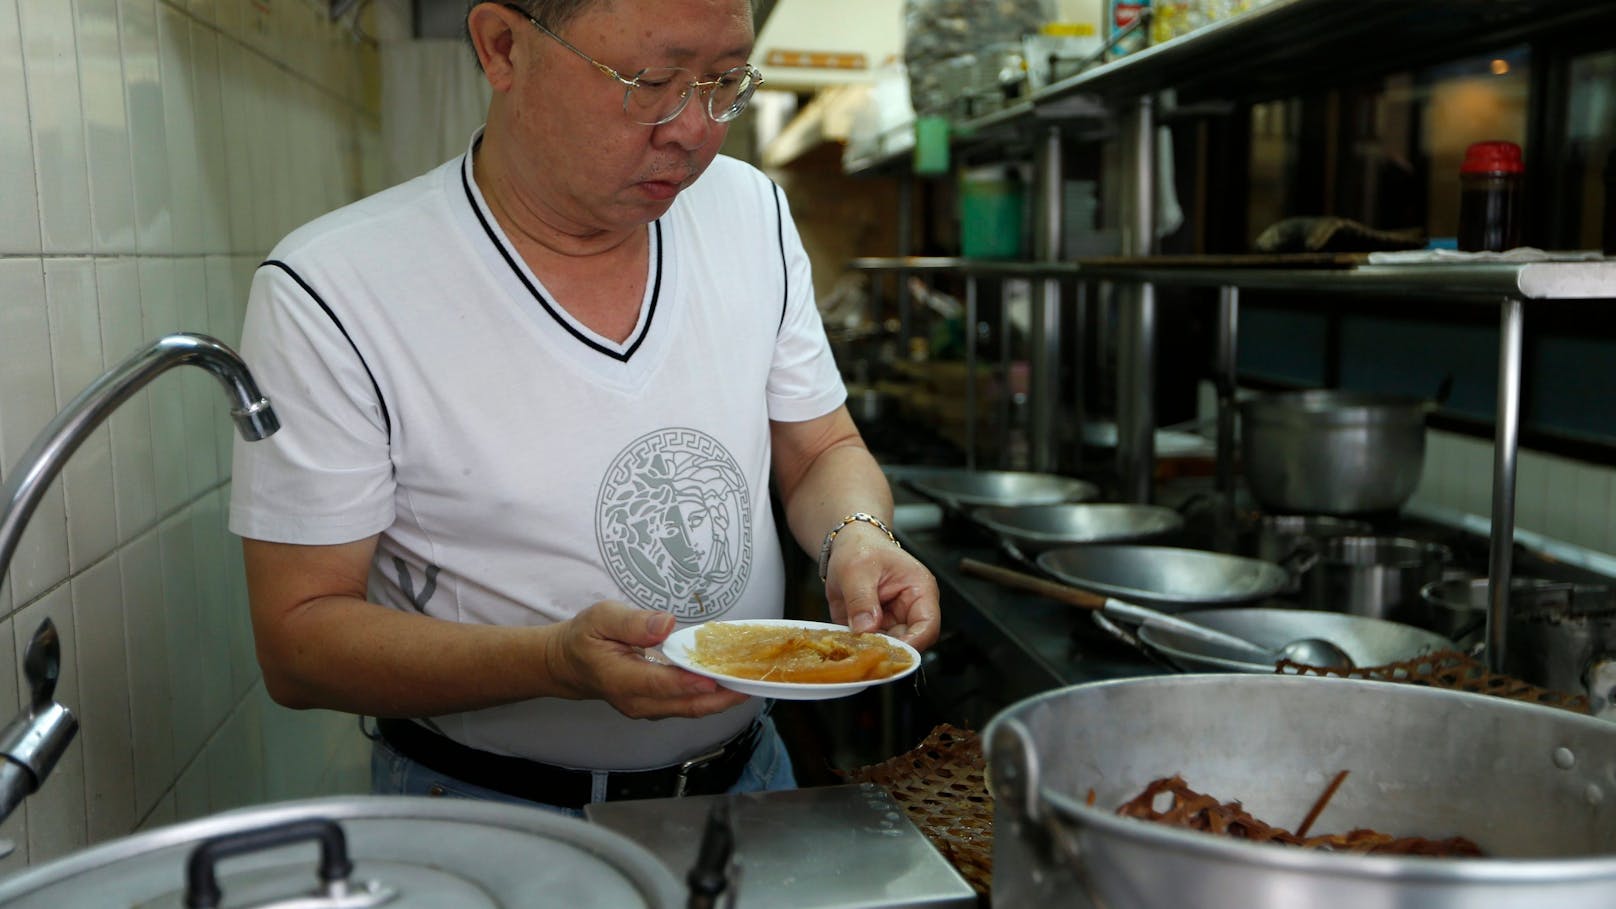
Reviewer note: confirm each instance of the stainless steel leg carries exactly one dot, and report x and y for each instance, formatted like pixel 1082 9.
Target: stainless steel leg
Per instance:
pixel 1506 442
pixel 970 373
pixel 1227 383
pixel 1043 389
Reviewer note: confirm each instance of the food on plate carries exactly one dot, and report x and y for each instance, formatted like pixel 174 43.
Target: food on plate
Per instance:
pixel 1184 807
pixel 780 653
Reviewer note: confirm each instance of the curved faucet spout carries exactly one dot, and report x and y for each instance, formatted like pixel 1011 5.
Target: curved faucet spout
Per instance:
pixel 255 419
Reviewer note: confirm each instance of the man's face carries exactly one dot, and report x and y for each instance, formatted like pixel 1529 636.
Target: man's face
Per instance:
pixel 582 156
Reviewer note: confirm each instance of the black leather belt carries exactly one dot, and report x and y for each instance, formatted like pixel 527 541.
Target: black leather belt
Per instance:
pixel 706 774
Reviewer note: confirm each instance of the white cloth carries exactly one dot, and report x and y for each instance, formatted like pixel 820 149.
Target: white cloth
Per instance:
pixel 1518 255
pixel 517 466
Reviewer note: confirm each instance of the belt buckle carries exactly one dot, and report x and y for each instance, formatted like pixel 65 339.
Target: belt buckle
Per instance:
pixel 685 768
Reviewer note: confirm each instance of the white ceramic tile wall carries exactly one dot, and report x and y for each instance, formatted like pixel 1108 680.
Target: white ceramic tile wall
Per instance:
pixel 1565 500
pixel 151 153
pixel 19 230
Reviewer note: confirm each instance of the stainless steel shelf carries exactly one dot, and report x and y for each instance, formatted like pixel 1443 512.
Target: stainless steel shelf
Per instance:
pixel 1290 46
pixel 1509 286
pixel 1486 282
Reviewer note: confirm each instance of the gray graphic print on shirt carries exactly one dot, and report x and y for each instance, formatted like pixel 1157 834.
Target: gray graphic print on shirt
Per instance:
pixel 674 524
pixel 406 584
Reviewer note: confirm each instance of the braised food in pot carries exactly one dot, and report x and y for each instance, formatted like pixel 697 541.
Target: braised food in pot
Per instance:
pixel 1171 801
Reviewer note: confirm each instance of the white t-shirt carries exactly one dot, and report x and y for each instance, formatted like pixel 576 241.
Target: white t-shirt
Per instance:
pixel 518 466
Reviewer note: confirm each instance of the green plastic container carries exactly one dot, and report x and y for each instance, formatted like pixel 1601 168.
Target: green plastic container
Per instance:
pixel 931 146
pixel 990 216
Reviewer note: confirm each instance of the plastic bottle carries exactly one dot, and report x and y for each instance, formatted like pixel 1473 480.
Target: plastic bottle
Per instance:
pixel 1489 197
pixel 1125 13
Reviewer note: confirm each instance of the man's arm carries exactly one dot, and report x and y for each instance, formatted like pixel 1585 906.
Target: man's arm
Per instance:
pixel 825 473
pixel 322 644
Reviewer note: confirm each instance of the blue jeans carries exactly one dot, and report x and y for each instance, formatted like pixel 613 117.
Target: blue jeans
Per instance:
pixel 392 773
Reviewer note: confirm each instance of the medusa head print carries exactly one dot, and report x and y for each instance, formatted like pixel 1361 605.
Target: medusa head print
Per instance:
pixel 673 520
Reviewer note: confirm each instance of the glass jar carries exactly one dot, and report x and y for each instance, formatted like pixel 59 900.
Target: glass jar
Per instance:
pixel 1489 197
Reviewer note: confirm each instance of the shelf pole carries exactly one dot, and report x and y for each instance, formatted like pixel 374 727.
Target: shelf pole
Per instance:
pixel 1136 364
pixel 1044 389
pixel 1506 444
pixel 1227 357
pixel 970 372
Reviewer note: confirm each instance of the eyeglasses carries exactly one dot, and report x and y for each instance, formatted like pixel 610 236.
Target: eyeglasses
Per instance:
pixel 657 95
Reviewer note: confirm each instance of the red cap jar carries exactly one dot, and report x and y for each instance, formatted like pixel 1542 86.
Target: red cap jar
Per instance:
pixel 1489 197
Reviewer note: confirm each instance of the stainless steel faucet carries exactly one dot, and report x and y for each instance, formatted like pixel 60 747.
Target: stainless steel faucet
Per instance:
pixel 31 744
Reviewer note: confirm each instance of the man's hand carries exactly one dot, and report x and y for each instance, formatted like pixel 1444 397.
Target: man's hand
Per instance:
pixel 872 585
pixel 600 655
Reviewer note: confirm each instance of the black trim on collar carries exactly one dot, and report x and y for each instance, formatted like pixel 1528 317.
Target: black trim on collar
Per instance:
pixel 387 420
pixel 785 271
pixel 656 287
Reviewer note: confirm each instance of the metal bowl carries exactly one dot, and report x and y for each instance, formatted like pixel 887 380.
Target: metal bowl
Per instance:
pixel 1002 487
pixel 1369 642
pixel 1035 528
pixel 1333 452
pixel 1167 578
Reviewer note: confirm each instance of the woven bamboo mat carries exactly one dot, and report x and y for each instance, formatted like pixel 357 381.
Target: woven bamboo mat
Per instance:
pixel 942 787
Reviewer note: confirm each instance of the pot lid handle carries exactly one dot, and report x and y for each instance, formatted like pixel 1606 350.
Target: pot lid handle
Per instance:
pixel 202 881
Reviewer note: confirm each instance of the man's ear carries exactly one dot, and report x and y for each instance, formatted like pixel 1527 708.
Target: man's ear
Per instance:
pixel 492 31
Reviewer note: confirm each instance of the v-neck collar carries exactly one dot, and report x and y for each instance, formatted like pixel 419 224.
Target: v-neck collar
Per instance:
pixel 501 243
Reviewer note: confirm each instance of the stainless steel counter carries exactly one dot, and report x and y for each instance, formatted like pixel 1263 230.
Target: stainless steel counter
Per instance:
pixel 847 847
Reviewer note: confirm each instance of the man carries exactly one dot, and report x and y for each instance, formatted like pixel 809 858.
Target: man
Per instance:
pixel 532 403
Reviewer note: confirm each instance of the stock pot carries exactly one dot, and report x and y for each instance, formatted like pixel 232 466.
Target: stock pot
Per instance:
pixel 1332 452
pixel 355 852
pixel 1534 786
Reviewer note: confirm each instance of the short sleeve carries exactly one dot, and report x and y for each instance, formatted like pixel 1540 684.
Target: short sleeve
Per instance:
pixel 326 476
pixel 803 382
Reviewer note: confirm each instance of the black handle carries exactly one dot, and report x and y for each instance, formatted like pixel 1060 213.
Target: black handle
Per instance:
pixel 708 877
pixel 202 883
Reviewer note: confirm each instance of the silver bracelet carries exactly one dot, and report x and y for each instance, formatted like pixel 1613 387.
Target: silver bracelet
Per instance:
pixel 824 548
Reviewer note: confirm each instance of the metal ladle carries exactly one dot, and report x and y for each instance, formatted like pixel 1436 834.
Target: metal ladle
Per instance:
pixel 1310 651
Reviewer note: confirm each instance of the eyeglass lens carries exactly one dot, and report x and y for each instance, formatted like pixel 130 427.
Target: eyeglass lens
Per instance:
pixel 659 95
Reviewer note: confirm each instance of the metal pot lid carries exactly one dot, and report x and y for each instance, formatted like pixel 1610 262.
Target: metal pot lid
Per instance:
pixel 426 852
pixel 1002 487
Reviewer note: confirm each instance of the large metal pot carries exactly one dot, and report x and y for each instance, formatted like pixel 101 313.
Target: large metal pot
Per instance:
pixel 1379 577
pixel 1533 785
pixel 1457 607
pixel 1332 452
pixel 429 853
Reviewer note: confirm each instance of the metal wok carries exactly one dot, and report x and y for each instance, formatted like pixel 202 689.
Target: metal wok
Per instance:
pixel 1035 528
pixel 969 488
pixel 1533 785
pixel 1167 578
pixel 1369 642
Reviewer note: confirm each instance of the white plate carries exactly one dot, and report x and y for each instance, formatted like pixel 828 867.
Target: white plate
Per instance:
pixel 680 649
